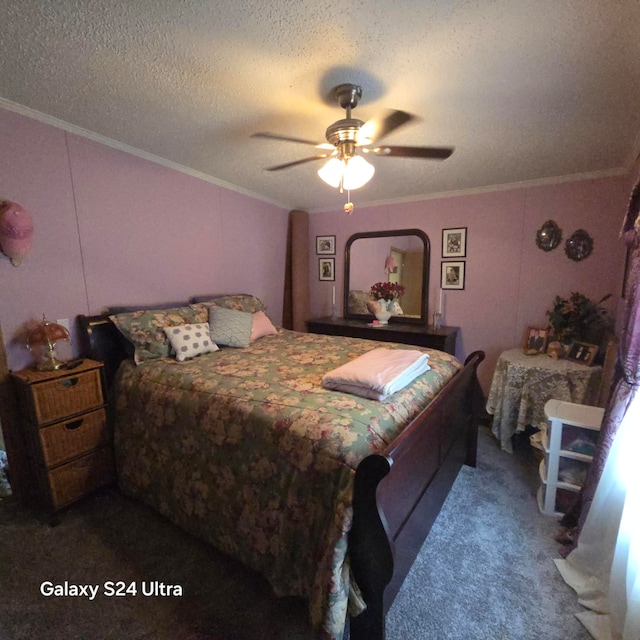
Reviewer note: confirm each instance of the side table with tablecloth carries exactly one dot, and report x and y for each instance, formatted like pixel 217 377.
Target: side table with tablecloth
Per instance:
pixel 522 385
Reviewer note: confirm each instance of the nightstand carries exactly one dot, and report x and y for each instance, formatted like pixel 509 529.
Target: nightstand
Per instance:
pixel 64 418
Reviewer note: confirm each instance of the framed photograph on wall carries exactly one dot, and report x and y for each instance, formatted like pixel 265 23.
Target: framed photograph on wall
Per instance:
pixel 583 353
pixel 327 268
pixel 326 245
pixel 452 275
pixel 535 340
pixel 454 242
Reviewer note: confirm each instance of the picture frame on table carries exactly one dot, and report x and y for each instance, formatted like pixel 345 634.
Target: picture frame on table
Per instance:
pixel 326 245
pixel 583 352
pixel 454 242
pixel 535 340
pixel 327 269
pixel 452 275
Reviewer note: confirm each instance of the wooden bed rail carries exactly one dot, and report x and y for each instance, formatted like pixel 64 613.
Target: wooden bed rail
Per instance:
pixel 399 493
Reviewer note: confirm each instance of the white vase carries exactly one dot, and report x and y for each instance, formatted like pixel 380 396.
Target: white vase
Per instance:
pixel 382 313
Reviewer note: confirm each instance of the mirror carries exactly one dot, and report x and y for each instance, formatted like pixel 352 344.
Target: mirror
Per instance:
pixel 548 236
pixel 400 256
pixel 579 246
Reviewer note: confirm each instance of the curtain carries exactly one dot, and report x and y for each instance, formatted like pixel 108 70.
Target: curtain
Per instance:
pixel 604 569
pixel 295 310
pixel 603 562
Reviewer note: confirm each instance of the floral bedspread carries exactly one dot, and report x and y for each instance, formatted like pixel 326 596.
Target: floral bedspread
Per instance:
pixel 245 449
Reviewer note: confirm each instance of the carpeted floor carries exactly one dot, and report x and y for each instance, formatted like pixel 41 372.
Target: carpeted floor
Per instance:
pixel 486 572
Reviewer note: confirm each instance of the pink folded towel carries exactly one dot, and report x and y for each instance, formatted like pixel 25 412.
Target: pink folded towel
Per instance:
pixel 378 373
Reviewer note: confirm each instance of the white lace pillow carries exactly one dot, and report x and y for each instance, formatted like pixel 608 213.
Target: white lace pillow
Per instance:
pixel 190 340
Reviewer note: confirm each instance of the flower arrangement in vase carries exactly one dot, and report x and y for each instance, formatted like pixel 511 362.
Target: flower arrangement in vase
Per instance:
pixel 579 318
pixel 384 293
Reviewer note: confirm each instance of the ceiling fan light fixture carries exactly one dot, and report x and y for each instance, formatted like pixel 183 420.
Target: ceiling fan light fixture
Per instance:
pixel 332 172
pixel 350 138
pixel 351 173
pixel 357 173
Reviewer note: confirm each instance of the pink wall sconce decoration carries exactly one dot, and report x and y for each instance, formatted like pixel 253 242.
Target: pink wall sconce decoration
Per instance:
pixel 16 232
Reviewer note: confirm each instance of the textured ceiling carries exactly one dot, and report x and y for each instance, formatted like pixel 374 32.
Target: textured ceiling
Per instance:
pixel 525 90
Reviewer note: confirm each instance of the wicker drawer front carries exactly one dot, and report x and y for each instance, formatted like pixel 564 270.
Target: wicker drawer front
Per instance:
pixel 79 477
pixel 71 438
pixel 57 399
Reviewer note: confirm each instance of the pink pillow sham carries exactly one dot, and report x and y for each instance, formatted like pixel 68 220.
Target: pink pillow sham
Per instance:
pixel 261 326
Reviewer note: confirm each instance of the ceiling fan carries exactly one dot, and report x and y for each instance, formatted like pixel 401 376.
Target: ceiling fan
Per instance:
pixel 349 139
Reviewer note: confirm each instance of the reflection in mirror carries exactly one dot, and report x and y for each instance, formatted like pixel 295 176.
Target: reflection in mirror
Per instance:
pixel 400 256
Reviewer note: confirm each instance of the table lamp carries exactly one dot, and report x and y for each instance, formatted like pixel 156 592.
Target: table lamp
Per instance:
pixel 41 341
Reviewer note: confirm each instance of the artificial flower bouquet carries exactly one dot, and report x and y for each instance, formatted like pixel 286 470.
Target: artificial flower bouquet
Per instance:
pixel 579 318
pixel 386 291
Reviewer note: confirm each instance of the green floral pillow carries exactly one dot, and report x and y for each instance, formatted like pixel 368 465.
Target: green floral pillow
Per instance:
pixel 238 302
pixel 145 329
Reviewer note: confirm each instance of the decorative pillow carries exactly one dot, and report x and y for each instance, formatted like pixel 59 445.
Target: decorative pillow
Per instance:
pixel 396 309
pixel 261 326
pixel 357 302
pixel 239 302
pixel 145 329
pixel 190 340
pixel 229 327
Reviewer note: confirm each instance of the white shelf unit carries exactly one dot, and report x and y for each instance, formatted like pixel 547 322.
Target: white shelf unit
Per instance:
pixel 569 442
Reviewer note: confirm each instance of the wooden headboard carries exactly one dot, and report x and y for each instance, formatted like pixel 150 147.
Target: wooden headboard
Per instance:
pixel 101 340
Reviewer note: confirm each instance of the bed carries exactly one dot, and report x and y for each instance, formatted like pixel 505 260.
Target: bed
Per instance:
pixel 328 495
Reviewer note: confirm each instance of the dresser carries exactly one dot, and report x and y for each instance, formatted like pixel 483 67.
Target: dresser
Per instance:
pixel 443 339
pixel 63 415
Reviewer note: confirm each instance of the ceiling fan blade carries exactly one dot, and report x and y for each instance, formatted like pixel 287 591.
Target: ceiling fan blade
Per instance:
pixel 377 128
pixel 295 162
pixel 434 153
pixel 276 136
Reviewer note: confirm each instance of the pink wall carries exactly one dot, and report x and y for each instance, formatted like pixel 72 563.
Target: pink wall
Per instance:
pixel 111 228
pixel 510 283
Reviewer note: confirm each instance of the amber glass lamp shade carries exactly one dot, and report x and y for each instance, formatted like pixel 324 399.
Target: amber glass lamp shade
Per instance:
pixel 42 340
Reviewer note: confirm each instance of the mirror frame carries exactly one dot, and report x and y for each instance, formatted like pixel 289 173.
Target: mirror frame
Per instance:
pixel 426 260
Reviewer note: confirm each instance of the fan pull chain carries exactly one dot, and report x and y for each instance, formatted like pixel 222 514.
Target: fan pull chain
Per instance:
pixel 348 207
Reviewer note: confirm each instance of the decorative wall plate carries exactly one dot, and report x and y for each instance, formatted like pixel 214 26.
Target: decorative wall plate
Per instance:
pixel 579 245
pixel 548 236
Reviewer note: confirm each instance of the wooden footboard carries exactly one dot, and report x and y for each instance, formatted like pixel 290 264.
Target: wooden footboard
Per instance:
pixel 399 493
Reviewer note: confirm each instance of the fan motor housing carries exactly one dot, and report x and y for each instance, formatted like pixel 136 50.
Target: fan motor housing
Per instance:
pixel 345 130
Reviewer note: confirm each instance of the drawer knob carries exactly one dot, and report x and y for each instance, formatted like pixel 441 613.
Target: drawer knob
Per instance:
pixel 69 382
pixel 73 425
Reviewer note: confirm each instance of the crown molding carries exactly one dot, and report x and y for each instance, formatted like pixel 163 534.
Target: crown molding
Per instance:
pixel 125 148
pixel 511 186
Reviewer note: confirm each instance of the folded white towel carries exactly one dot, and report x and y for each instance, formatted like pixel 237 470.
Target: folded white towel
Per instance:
pixel 378 373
